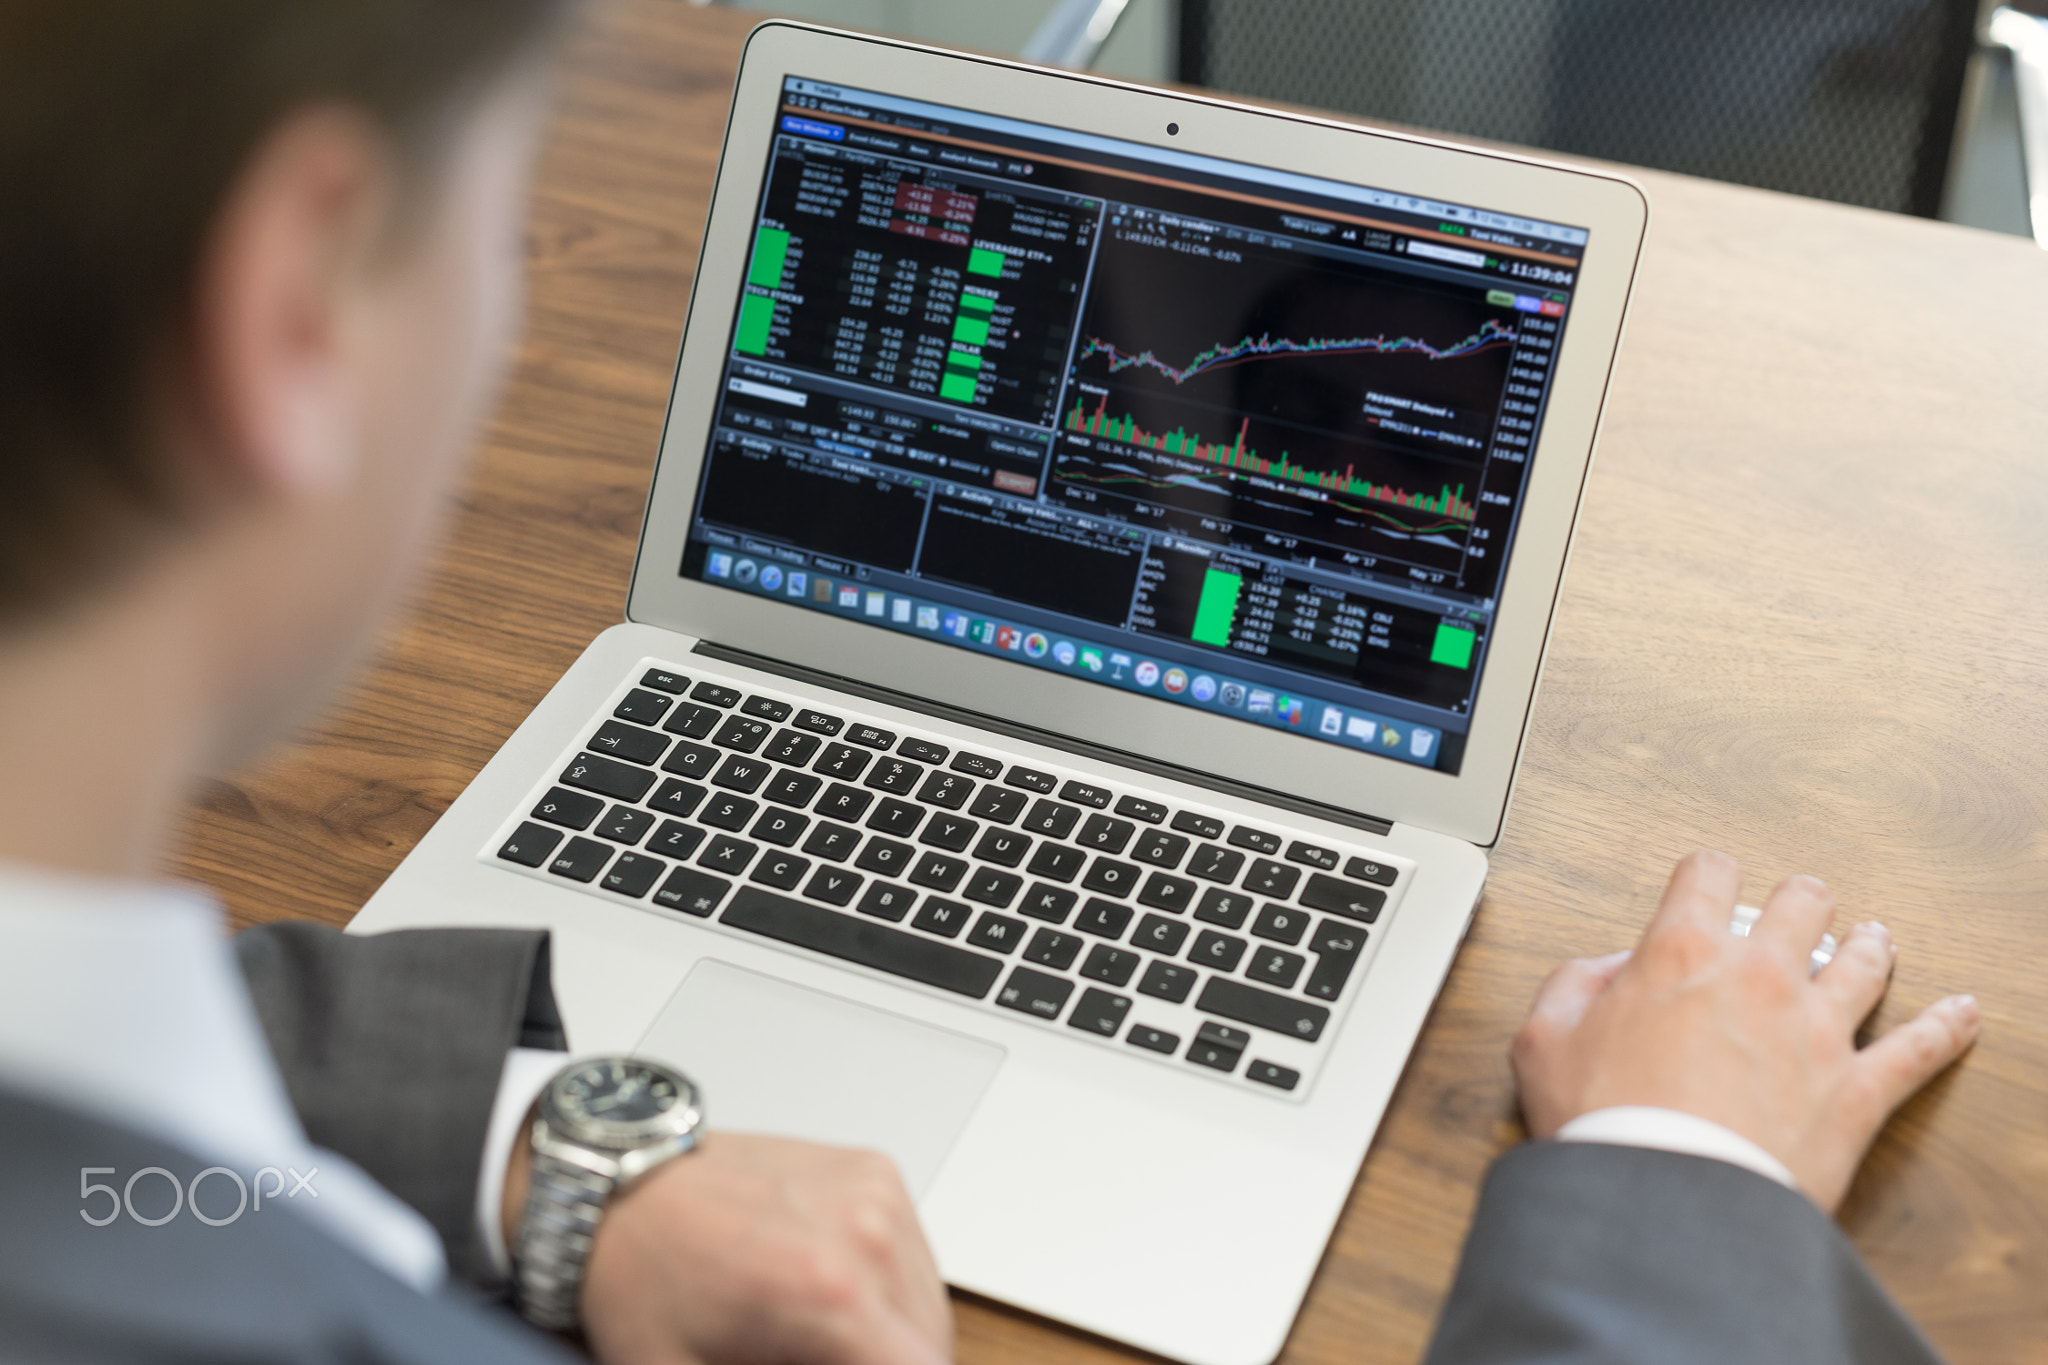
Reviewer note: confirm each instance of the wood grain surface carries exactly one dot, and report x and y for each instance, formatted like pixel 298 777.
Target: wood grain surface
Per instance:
pixel 1806 622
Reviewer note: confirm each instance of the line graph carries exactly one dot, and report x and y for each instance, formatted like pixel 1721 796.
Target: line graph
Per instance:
pixel 1491 334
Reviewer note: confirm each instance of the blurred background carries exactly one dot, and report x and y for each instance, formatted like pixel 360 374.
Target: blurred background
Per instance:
pixel 1912 106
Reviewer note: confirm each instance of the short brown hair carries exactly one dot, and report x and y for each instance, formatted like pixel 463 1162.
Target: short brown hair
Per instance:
pixel 123 124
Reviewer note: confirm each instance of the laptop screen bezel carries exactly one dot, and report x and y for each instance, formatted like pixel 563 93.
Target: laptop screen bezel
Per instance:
pixel 1470 805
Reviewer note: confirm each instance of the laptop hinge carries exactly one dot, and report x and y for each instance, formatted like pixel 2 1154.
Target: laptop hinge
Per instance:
pixel 1244 790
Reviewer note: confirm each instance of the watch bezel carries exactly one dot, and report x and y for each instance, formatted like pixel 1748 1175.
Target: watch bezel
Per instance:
pixel 567 1116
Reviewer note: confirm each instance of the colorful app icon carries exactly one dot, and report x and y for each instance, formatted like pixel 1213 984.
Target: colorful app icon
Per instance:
pixel 1231 695
pixel 1203 688
pixel 1360 728
pixel 1333 722
pixel 1288 709
pixel 1146 673
pixel 799 583
pixel 719 565
pixel 1419 742
pixel 956 625
pixel 878 602
pixel 1091 659
pixel 1117 664
pixel 1390 737
pixel 984 632
pixel 1064 653
pixel 1176 680
pixel 1259 702
pixel 849 596
pixel 1035 645
pixel 899 611
pixel 927 618
pixel 746 571
pixel 1008 637
pixel 821 591
pixel 771 578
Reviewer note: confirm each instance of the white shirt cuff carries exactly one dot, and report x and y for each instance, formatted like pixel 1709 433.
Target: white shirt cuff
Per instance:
pixel 527 1073
pixel 1672 1130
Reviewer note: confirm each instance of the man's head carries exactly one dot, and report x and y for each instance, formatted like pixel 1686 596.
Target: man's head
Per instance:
pixel 259 266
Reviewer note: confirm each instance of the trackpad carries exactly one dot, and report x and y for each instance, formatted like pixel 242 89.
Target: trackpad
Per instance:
pixel 793 1062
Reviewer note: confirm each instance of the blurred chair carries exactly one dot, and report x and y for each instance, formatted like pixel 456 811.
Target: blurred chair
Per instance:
pixel 2025 36
pixel 1851 100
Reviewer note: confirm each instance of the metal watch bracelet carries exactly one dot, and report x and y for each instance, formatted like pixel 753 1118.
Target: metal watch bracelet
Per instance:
pixel 564 1202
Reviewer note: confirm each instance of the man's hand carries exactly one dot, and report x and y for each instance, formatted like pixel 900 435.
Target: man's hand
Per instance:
pixel 1733 1030
pixel 755 1249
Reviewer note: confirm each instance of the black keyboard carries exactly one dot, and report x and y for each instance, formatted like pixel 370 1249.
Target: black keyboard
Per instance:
pixel 1074 899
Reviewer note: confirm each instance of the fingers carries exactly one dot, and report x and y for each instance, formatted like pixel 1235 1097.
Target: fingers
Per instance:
pixel 1855 981
pixel 874 1333
pixel 1699 900
pixel 1912 1054
pixel 1563 998
pixel 1797 914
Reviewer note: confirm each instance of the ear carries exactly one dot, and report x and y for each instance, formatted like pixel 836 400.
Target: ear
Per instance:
pixel 274 369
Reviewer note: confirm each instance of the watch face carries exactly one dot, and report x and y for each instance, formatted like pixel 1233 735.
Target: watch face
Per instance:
pixel 622 1100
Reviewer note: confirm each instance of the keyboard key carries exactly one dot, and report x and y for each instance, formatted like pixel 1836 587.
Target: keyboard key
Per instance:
pixel 1226 908
pixel 942 917
pixel 1271 879
pixel 664 681
pixel 792 747
pixel 1105 835
pixel 1337 945
pixel 693 722
pixel 643 707
pixel 726 811
pixel 923 750
pixel 1157 848
pixel 1086 793
pixel 1215 864
pixel 998 933
pixel 1281 924
pixel 862 942
pixel 885 857
pixel 1276 967
pixel 727 854
pixel 998 805
pixel 634 874
pixel 1263 1009
pixel 991 887
pixel 836 842
pixel 871 737
pixel 741 734
pixel 677 797
pixel 1052 819
pixel 1257 840
pixel 843 761
pixel 781 828
pixel 607 777
pixel 842 802
pixel 818 723
pixel 580 859
pixel 950 832
pixel 974 765
pixel 530 844
pixel 1100 1012
pixel 1114 965
pixel 1343 898
pixel 938 871
pixel 1219 951
pixel 692 892
pixel 1210 1055
pixel 792 788
pixel 834 885
pixel 1151 812
pixel 625 825
pixel 1111 878
pixel 895 776
pixel 1161 935
pixel 1049 903
pixel 676 839
pixel 1056 861
pixel 570 810
pixel 741 774
pixel 1031 780
pixel 949 790
pixel 1105 919
pixel 1167 981
pixel 716 695
pixel 1003 847
pixel 1366 870
pixel 783 871
pixel 1266 1073
pixel 1051 948
pixel 627 741
pixel 1153 1040
pixel 1222 1035
pixel 1035 993
pixel 1201 826
pixel 1325 858
pixel 691 760
pixel 888 902
pixel 767 708
pixel 898 818
pixel 1164 892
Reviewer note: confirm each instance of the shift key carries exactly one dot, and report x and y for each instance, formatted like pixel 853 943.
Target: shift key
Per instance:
pixel 1262 1009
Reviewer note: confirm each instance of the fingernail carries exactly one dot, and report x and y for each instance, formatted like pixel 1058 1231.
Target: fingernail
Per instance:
pixel 1964 1007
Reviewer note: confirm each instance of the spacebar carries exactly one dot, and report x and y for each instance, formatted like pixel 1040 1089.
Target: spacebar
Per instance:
pixel 856 940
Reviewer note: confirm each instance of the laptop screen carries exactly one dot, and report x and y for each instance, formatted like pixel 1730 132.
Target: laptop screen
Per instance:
pixel 1233 438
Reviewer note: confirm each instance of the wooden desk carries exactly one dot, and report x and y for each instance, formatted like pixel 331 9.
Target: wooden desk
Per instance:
pixel 1807 622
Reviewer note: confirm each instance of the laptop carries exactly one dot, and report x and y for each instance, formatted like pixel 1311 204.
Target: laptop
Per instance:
pixel 1084 627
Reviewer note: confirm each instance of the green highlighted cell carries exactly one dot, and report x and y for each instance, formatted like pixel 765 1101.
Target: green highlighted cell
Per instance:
pixel 757 315
pixel 1453 645
pixel 973 331
pixel 963 360
pixel 1217 608
pixel 771 249
pixel 981 305
pixel 1500 298
pixel 982 261
pixel 957 387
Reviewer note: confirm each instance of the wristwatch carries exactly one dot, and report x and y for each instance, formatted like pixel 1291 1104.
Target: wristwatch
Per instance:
pixel 601 1125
